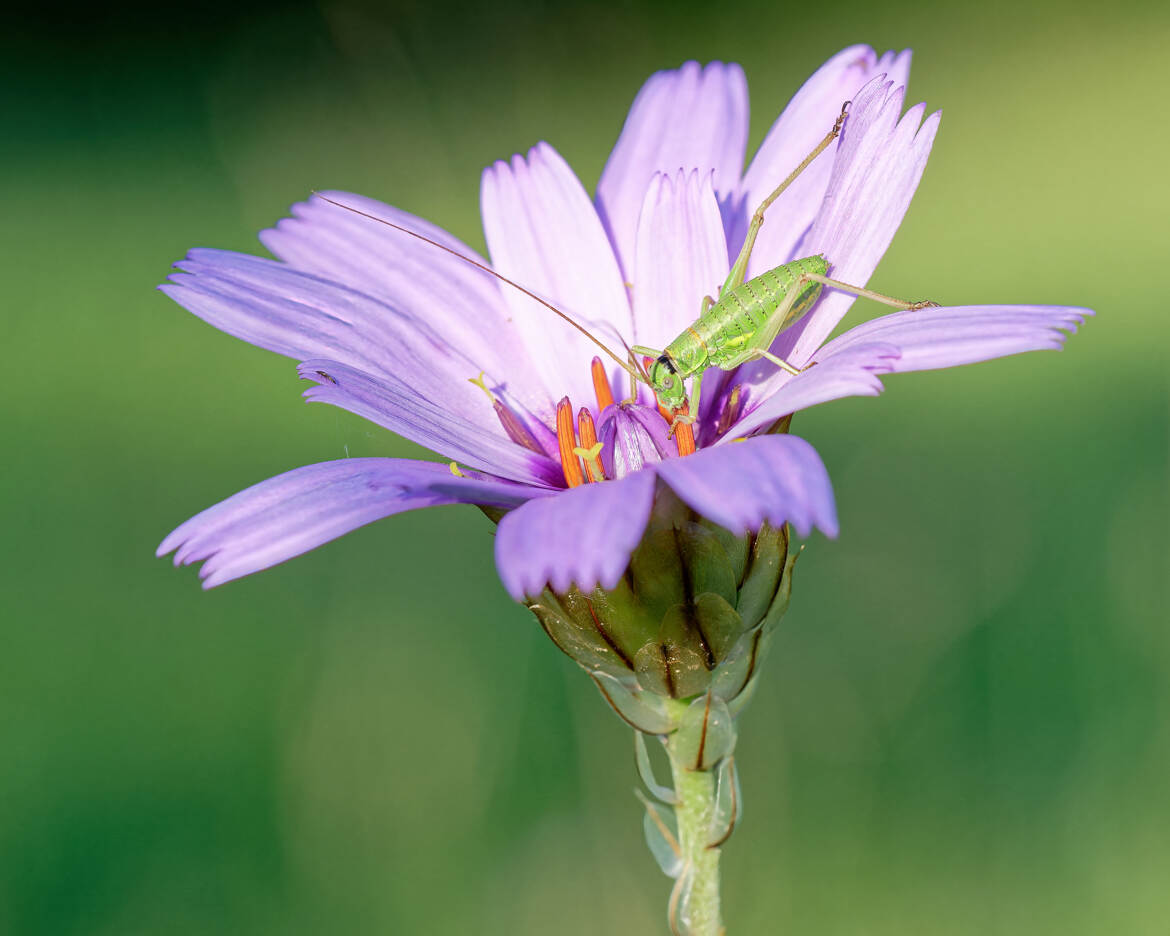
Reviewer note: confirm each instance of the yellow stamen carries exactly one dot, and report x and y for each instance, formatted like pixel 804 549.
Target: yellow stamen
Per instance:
pixel 482 384
pixel 592 458
pixel 455 471
pixel 590 449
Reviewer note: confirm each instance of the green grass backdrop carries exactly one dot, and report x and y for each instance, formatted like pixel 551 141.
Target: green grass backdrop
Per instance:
pixel 963 727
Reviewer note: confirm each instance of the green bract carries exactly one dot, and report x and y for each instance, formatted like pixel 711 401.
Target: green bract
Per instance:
pixel 691 615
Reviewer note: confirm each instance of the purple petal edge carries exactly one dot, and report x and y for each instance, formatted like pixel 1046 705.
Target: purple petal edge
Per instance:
pixel 852 371
pixel 301 509
pixel 951 336
pixel 776 478
pixel 583 536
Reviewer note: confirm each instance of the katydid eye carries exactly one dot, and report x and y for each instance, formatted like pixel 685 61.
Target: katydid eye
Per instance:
pixel 667 381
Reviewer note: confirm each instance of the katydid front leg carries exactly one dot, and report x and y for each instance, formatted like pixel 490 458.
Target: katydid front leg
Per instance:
pixel 692 405
pixel 634 369
pixel 651 353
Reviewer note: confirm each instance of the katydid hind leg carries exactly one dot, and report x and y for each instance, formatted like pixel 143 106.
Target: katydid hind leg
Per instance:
pixel 778 361
pixel 870 294
pixel 637 370
pixel 739 269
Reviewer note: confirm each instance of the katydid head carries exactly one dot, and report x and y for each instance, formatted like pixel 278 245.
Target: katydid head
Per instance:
pixel 666 382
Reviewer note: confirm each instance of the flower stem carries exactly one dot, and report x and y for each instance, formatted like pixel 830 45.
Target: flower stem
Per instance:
pixel 696 908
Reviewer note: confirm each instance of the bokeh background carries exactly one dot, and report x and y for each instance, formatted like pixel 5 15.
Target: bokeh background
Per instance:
pixel 963 727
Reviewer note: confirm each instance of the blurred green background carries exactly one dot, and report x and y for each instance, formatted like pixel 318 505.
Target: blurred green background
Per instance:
pixel 964 724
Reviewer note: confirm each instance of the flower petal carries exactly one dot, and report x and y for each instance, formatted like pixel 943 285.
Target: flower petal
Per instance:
pixel 681 255
pixel 297 511
pixel 543 232
pixel 398 406
pixel 444 297
pixel 946 337
pixel 690 118
pixel 633 437
pixel 805 121
pixel 776 478
pixel 279 309
pixel 303 316
pixel 584 535
pixel 851 372
pixel 878 167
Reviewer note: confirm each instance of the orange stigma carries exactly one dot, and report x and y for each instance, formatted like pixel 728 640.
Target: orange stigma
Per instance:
pixel 567 442
pixel 600 387
pixel 684 432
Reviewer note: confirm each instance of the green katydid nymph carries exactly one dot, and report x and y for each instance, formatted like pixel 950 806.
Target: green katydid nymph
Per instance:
pixel 738 327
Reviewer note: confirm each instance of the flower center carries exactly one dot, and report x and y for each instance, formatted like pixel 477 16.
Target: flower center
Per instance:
pixel 577 443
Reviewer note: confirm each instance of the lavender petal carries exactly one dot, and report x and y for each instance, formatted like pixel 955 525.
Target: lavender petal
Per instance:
pixel 690 118
pixel 303 316
pixel 480 442
pixel 297 511
pixel 851 372
pixel 632 438
pixel 776 478
pixel 543 232
pixel 444 297
pixel 946 337
pixel 680 257
pixel 584 535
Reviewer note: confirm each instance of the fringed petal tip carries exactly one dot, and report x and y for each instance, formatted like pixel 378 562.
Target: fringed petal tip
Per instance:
pixel 583 536
pixel 776 479
pixel 950 336
pixel 288 515
pixel 690 117
pixel 680 252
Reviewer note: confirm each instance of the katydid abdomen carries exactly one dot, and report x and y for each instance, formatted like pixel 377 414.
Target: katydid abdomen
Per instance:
pixel 725 331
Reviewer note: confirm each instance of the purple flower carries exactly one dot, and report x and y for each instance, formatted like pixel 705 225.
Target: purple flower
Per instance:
pixel 397 331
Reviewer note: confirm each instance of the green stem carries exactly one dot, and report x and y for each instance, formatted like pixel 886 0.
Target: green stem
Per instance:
pixel 698 910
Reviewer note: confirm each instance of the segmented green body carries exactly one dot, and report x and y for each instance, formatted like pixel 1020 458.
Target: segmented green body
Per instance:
pixel 721 334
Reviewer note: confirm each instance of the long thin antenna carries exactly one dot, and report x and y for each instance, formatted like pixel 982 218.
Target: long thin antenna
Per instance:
pixel 475 263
